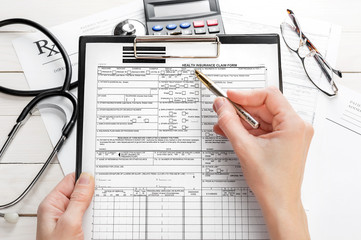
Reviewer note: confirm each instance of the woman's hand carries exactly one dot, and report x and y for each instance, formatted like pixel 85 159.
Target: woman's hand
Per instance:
pixel 272 157
pixel 61 213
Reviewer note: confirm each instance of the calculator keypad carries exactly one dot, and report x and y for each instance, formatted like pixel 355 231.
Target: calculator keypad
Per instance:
pixel 212 25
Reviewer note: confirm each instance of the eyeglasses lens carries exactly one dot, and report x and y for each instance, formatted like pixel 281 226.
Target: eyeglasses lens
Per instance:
pixel 319 72
pixel 290 35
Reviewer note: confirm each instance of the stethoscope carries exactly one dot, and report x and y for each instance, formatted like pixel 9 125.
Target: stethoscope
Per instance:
pixel 126 27
pixel 40 95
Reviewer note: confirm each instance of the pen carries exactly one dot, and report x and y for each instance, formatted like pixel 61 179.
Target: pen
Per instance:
pixel 219 92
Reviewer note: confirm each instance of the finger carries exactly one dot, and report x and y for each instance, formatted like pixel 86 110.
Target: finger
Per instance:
pixel 282 112
pixel 264 129
pixel 81 197
pixel 230 123
pixel 58 197
pixel 66 186
pixel 260 112
pixel 55 204
pixel 262 124
pixel 265 126
pixel 258 132
pixel 218 130
pixel 245 124
pixel 255 111
pixel 271 97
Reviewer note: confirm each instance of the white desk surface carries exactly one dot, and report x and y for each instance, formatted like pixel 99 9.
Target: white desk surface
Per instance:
pixel 32 145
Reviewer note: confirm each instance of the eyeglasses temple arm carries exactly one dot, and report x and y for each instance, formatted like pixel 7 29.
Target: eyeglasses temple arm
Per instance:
pixel 319 58
pixel 322 63
pixel 293 18
pixel 337 72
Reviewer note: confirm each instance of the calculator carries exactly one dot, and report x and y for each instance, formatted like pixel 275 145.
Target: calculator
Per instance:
pixel 183 17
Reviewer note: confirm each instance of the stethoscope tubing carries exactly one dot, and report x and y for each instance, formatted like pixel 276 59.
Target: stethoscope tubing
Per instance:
pixel 39 95
pixel 33 93
pixel 48 94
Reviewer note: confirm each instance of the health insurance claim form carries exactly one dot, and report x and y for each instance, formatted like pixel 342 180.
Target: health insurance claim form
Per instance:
pixel 160 170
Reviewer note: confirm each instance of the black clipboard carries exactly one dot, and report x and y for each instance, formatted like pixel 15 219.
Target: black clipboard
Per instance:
pixel 84 40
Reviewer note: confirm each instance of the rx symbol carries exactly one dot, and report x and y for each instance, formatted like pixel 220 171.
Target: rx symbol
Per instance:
pixel 45 46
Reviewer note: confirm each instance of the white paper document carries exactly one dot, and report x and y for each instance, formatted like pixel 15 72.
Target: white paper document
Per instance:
pixel 160 170
pixel 333 173
pixel 44 67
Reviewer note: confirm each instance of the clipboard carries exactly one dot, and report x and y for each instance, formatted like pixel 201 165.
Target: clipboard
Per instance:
pixel 121 59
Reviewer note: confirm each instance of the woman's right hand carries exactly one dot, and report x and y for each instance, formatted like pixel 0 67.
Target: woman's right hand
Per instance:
pixel 272 157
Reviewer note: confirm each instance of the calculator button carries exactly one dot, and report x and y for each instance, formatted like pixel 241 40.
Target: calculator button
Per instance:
pixel 213 30
pixel 198 23
pixel 171 26
pixel 185 25
pixel 200 31
pixel 187 32
pixel 212 22
pixel 157 28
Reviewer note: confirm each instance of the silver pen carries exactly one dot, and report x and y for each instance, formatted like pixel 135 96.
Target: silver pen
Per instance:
pixel 219 92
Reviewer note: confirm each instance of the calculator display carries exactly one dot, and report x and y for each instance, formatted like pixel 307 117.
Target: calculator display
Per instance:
pixel 183 17
pixel 188 8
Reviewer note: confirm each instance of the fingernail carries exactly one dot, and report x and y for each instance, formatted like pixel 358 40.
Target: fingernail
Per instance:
pixel 84 179
pixel 218 103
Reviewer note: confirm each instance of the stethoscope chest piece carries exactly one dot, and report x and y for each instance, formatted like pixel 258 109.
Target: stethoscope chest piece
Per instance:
pixel 130 27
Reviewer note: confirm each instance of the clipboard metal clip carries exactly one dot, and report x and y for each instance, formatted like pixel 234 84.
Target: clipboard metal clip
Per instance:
pixel 160 39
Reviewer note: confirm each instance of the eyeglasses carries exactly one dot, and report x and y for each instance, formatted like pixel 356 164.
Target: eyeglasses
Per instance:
pixel 316 67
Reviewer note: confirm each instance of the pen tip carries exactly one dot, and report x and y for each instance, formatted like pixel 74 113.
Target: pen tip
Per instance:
pixel 197 72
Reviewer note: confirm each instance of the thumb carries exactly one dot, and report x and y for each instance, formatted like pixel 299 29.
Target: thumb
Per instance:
pixel 231 125
pixel 81 196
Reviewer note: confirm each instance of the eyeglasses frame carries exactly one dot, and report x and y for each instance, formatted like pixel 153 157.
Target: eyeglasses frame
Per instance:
pixel 316 54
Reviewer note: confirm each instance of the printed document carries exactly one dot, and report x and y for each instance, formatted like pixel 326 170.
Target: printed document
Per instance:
pixel 332 181
pixel 160 170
